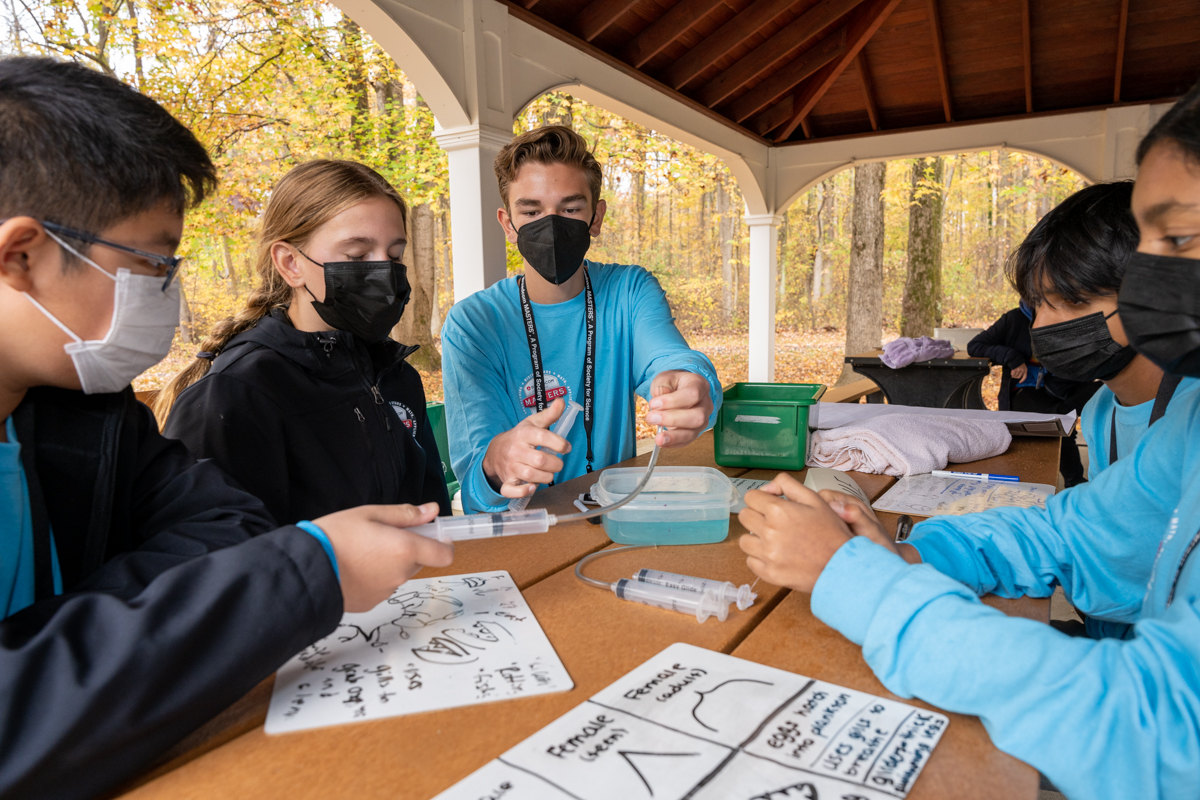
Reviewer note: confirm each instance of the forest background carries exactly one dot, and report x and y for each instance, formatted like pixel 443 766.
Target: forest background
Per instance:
pixel 268 84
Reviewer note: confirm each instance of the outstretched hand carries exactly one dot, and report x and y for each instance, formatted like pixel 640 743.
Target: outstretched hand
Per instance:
pixel 679 402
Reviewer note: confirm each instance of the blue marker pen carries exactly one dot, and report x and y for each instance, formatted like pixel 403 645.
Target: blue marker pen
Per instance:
pixel 978 476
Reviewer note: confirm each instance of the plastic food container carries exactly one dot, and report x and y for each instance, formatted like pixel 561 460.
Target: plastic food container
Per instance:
pixel 680 505
pixel 766 425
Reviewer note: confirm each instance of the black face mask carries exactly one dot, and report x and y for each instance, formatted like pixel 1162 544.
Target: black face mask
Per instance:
pixel 365 298
pixel 1160 308
pixel 555 245
pixel 1080 349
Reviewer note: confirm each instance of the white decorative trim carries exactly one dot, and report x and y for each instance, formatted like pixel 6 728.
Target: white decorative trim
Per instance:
pixel 468 136
pixel 764 219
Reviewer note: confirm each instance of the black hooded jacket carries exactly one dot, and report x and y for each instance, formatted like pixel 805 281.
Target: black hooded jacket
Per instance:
pixel 313 423
pixel 178 597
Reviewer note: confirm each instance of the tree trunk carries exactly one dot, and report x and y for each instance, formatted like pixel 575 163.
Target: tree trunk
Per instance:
pixel 356 81
pixel 187 322
pixel 864 305
pixel 725 231
pixel 413 327
pixel 818 272
pixel 921 311
pixel 230 272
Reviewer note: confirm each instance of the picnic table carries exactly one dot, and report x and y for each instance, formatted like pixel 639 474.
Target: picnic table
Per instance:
pixel 954 382
pixel 599 638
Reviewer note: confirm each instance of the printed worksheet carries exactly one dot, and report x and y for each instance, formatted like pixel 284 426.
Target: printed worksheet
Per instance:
pixel 692 723
pixel 930 495
pixel 436 643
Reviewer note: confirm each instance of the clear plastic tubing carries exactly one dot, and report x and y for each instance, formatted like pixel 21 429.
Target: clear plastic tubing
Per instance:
pixel 724 591
pixel 561 428
pixel 485 526
pixel 702 605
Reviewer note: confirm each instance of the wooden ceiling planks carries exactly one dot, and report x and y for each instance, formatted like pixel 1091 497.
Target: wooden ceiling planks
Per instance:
pixel 778 68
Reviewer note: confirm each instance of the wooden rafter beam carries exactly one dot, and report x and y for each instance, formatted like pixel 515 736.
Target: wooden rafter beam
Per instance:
pixel 666 29
pixel 788 78
pixel 864 80
pixel 746 23
pixel 862 27
pixel 1027 56
pixel 780 46
pixel 806 126
pixel 597 15
pixel 939 58
pixel 1122 25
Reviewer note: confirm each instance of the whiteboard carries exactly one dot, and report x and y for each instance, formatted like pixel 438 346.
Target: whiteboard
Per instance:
pixel 931 495
pixel 436 643
pixel 698 724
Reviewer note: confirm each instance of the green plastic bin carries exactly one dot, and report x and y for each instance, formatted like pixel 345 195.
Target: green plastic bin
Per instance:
pixel 437 420
pixel 766 425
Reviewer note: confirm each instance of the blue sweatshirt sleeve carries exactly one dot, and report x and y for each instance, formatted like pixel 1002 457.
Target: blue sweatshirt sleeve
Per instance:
pixel 1097 540
pixel 472 382
pixel 1105 719
pixel 1102 719
pixel 658 345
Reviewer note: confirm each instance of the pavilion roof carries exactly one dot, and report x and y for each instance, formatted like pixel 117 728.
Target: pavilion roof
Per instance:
pixel 798 70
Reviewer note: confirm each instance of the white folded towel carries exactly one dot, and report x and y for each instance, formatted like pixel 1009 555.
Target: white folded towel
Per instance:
pixel 907 444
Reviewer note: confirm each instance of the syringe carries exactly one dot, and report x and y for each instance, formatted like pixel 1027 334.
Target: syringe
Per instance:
pixel 517 523
pixel 724 591
pixel 561 428
pixel 703 604
pixel 484 526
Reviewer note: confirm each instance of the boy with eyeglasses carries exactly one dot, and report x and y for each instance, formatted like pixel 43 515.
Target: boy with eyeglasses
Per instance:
pixel 141 591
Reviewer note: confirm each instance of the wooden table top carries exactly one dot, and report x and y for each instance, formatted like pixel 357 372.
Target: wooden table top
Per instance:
pixel 599 638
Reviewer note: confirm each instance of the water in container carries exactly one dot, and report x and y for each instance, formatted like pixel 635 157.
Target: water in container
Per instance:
pixel 680 505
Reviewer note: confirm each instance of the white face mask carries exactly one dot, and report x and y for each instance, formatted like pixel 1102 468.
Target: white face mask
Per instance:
pixel 140 335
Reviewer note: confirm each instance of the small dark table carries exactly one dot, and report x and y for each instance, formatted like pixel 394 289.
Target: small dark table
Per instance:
pixel 953 382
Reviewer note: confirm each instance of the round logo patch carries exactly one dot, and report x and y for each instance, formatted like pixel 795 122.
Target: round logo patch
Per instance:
pixel 406 416
pixel 556 387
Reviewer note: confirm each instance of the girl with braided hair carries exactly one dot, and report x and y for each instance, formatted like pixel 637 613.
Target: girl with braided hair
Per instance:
pixel 302 397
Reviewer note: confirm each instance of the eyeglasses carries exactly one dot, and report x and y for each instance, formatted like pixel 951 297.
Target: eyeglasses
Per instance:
pixel 170 263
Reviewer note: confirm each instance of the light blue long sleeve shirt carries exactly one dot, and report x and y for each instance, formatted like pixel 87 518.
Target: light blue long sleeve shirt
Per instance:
pixel 488 377
pixel 1132 423
pixel 1101 719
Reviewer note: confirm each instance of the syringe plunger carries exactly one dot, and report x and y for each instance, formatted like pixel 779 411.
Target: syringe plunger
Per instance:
pixel 485 526
pixel 702 604
pixel 724 591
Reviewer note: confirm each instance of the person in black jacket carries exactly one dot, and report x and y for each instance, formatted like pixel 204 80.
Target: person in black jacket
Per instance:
pixel 307 402
pixel 141 591
pixel 1025 385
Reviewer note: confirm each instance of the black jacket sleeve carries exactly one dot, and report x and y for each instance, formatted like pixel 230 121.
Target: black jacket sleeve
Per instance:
pixel 433 489
pixel 998 342
pixel 195 601
pixel 107 683
pixel 242 430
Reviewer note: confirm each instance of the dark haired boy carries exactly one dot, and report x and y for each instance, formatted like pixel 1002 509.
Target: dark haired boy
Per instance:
pixel 1070 268
pixel 566 329
pixel 134 602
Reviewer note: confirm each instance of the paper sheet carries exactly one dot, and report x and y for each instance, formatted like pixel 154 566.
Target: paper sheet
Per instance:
pixel 741 486
pixel 436 643
pixel 835 415
pixel 693 723
pixel 928 496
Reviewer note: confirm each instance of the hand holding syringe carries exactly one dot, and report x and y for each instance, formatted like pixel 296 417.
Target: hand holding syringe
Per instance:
pixel 518 523
pixel 561 428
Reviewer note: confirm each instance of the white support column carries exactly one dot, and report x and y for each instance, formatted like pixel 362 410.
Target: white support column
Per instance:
pixel 764 238
pixel 477 241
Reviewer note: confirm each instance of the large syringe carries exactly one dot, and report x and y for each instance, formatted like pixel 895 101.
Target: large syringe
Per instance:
pixel 518 523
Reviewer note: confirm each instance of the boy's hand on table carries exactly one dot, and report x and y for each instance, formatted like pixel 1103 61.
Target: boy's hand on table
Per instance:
pixel 514 465
pixel 374 552
pixel 794 532
pixel 680 402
